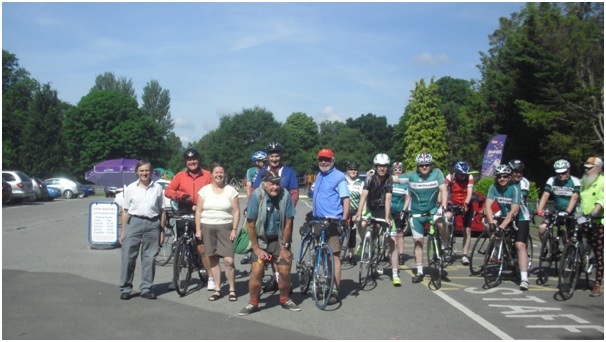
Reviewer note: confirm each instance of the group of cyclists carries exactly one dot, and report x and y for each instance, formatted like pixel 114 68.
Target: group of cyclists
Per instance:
pixel 410 200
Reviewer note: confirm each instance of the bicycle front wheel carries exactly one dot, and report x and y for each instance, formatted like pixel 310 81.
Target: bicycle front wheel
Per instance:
pixel 305 264
pixel 434 261
pixel 182 267
pixel 476 258
pixel 323 277
pixel 166 251
pixel 365 260
pixel 569 271
pixel 547 259
pixel 494 263
pixel 451 241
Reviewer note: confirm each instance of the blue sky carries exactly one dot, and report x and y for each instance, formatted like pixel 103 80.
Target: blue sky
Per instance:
pixel 331 61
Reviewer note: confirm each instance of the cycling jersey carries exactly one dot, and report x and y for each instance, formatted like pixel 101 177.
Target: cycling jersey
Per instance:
pixel 505 197
pixel 592 194
pixel 423 192
pixel 355 190
pixel 186 183
pixel 399 195
pixel 251 174
pixel 329 190
pixel 377 189
pixel 562 191
pixel 524 186
pixel 458 189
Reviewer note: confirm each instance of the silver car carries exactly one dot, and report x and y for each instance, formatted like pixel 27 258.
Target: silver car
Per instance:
pixel 21 184
pixel 69 188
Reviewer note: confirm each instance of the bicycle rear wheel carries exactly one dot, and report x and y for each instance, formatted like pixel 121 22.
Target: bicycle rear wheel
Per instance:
pixel 451 241
pixel 167 248
pixel 305 264
pixel 182 267
pixel 323 277
pixel 365 260
pixel 548 266
pixel 434 261
pixel 494 263
pixel 476 258
pixel 569 271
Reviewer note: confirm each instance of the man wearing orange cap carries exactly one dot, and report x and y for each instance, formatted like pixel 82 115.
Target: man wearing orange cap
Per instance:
pixel 592 204
pixel 331 200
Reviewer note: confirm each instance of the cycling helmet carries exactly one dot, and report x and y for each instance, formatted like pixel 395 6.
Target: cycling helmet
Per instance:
pixel 397 165
pixel 259 156
pixel 461 167
pixel 381 159
pixel 516 165
pixel 274 147
pixel 191 153
pixel 424 158
pixel 561 166
pixel 353 165
pixel 503 169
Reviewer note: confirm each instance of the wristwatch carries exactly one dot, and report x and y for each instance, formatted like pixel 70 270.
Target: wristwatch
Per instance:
pixel 286 245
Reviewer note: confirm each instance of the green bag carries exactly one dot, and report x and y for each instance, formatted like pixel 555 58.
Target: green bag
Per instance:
pixel 242 244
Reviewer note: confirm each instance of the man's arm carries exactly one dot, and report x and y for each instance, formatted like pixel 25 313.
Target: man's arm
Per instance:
pixel 294 196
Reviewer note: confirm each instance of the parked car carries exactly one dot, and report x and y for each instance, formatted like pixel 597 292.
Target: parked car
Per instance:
pixel 40 190
pixel 88 191
pixel 7 192
pixel 53 192
pixel 110 191
pixel 166 202
pixel 21 184
pixel 68 187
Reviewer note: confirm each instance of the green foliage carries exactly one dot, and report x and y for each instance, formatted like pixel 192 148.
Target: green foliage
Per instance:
pixel 425 127
pixel 108 81
pixel 375 131
pixel 533 193
pixel 483 185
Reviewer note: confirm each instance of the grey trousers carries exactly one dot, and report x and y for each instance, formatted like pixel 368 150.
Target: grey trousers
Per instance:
pixel 145 235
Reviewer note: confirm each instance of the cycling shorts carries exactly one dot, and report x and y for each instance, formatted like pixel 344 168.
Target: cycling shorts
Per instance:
pixel 380 213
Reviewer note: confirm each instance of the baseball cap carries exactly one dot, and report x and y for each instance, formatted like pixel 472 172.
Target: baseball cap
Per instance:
pixel 271 176
pixel 594 161
pixel 326 153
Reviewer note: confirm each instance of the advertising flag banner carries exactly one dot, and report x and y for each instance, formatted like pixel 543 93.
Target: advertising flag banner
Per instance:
pixel 493 154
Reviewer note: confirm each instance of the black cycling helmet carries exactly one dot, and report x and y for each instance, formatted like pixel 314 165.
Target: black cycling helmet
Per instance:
pixel 516 165
pixel 353 165
pixel 191 153
pixel 274 147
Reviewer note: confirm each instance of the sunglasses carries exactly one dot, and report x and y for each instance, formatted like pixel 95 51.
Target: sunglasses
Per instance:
pixel 353 169
pixel 398 170
pixel 323 159
pixel 587 168
pixel 503 176
pixel 425 165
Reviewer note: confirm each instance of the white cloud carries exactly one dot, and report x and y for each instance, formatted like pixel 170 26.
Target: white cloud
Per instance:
pixel 184 123
pixel 427 58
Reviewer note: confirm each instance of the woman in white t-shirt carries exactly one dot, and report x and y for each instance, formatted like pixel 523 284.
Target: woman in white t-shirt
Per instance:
pixel 217 219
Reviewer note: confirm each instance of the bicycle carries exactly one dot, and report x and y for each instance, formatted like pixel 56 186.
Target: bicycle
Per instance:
pixel 435 253
pixel 476 256
pixel 372 244
pixel 455 210
pixel 577 258
pixel 551 248
pixel 167 249
pixel 316 260
pixel 501 253
pixel 187 259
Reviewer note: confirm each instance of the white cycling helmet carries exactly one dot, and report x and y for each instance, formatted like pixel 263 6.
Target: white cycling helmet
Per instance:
pixel 381 159
pixel 503 169
pixel 561 166
pixel 424 158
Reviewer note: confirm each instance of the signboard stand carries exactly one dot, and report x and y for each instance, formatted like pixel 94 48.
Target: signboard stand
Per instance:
pixel 103 225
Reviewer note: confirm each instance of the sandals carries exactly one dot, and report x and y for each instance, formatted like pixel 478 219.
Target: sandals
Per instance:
pixel 232 296
pixel 215 296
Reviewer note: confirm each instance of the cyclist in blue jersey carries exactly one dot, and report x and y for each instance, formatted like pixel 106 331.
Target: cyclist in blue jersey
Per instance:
pixel 376 198
pixel 427 193
pixel 290 183
pixel 331 201
pixel 508 196
pixel 259 158
pixel 565 190
pixel 398 198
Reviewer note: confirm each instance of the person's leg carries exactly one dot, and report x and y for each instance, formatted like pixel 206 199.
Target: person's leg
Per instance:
pixel 230 272
pixel 215 271
pixel 130 252
pixel 149 249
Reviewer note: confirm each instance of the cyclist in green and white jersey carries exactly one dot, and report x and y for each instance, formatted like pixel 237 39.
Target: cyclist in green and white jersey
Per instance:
pixel 398 198
pixel 355 185
pixel 427 193
pixel 508 196
pixel 565 190
pixel 260 159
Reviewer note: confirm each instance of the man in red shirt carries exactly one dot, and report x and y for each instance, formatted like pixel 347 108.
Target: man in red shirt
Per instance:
pixel 461 190
pixel 184 188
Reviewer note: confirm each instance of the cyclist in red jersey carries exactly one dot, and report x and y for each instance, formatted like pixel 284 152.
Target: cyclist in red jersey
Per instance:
pixel 460 185
pixel 184 188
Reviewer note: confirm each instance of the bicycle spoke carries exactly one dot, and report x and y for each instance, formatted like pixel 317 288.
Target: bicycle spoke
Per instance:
pixel 569 271
pixel 476 258
pixel 305 264
pixel 365 261
pixel 182 268
pixel 493 262
pixel 547 259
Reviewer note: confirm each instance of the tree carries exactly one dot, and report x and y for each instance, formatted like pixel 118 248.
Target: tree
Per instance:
pixel 425 126
pixel 303 136
pixel 106 124
pixel 108 81
pixel 375 131
pixel 156 104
